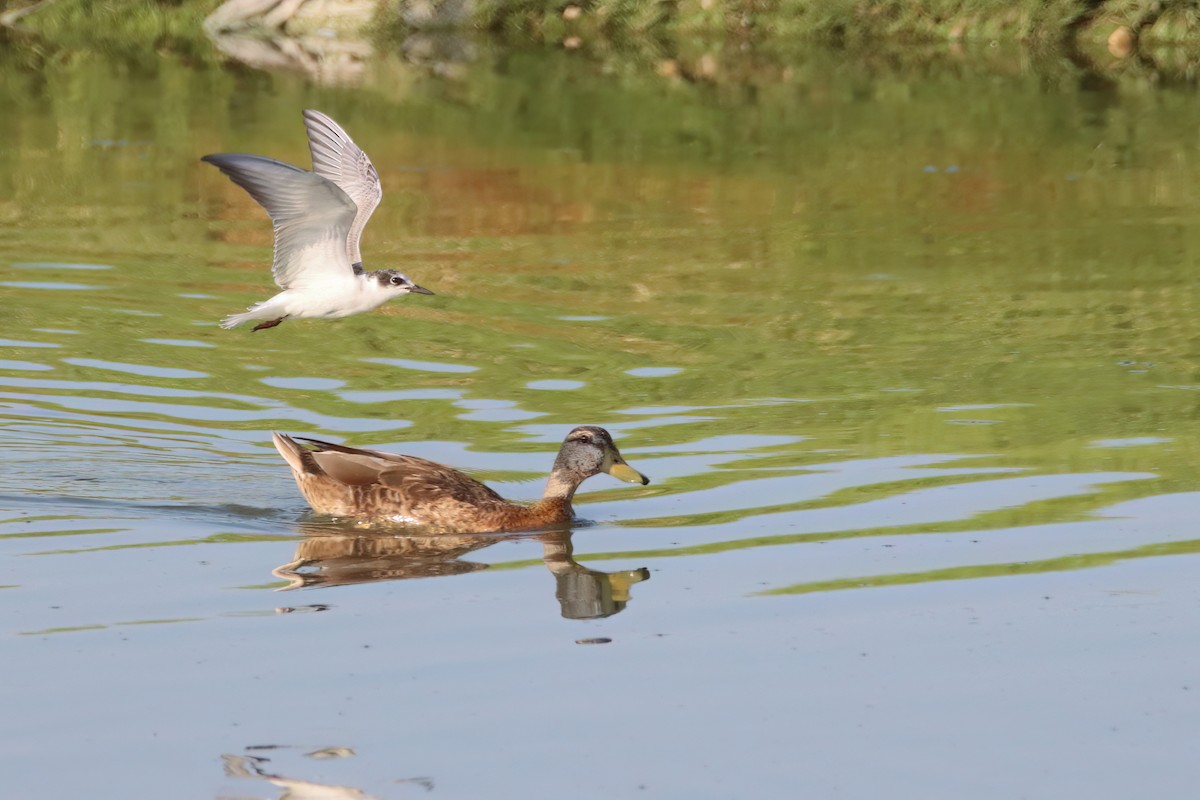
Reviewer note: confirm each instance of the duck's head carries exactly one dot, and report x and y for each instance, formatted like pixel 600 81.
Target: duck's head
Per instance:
pixel 589 450
pixel 397 282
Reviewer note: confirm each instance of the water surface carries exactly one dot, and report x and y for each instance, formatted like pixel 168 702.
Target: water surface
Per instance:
pixel 909 355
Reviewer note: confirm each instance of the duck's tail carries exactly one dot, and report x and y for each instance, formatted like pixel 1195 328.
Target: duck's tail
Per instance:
pixel 298 458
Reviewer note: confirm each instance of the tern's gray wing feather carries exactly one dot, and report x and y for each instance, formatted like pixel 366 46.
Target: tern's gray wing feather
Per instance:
pixel 312 217
pixel 335 156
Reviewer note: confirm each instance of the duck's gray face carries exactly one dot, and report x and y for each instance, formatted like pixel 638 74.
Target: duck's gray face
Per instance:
pixel 398 282
pixel 589 450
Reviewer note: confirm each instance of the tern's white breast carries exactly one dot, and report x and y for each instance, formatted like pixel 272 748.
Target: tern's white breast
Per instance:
pixel 335 298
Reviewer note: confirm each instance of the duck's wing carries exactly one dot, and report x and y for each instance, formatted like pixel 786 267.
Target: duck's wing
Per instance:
pixel 420 481
pixel 312 217
pixel 430 485
pixel 335 156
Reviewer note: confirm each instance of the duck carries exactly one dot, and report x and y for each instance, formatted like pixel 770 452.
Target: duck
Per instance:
pixel 319 218
pixel 346 481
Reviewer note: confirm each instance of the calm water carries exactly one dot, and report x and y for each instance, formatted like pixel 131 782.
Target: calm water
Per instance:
pixel 909 353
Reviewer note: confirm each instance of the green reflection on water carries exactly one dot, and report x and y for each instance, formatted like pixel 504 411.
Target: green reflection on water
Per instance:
pixel 995 570
pixel 65 629
pixel 218 538
pixel 895 252
pixel 71 532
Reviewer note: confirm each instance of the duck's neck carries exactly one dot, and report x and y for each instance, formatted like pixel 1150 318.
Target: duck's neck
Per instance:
pixel 555 506
pixel 561 486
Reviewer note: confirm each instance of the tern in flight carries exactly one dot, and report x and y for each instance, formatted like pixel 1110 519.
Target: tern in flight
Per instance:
pixel 319 217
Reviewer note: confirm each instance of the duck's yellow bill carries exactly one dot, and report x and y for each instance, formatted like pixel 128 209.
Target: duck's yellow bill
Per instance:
pixel 627 473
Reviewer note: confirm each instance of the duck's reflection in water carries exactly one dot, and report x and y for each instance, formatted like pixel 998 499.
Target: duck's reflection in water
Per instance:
pixel 586 593
pixel 329 556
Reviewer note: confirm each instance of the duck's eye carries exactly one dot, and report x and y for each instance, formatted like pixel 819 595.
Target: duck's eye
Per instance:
pixel 585 439
pixel 397 280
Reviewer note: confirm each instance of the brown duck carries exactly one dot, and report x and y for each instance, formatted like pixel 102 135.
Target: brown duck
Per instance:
pixel 349 482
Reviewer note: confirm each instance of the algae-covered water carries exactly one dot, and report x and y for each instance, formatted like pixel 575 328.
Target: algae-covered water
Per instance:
pixel 909 354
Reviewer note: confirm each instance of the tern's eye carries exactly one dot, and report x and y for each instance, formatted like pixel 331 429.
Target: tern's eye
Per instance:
pixel 397 280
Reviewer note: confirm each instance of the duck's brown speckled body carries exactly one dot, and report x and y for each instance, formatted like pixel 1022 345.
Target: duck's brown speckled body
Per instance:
pixel 351 482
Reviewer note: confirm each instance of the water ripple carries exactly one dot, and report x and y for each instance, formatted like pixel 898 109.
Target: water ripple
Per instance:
pixel 135 369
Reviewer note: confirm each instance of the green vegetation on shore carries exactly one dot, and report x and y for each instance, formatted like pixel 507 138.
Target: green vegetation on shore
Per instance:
pixel 836 20
pixel 176 25
pixel 127 28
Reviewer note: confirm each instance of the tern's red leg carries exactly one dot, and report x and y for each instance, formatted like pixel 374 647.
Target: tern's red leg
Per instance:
pixel 264 325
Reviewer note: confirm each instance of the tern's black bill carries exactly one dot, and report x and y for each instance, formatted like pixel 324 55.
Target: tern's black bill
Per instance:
pixel 419 290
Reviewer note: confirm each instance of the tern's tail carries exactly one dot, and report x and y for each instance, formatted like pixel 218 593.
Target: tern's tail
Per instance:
pixel 266 310
pixel 233 320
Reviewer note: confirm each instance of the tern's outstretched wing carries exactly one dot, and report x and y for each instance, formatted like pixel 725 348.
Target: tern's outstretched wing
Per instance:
pixel 335 156
pixel 312 217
